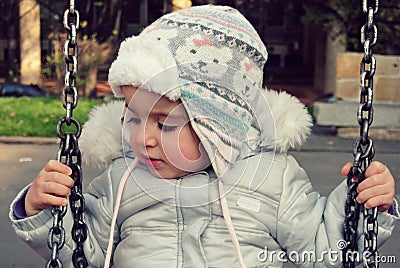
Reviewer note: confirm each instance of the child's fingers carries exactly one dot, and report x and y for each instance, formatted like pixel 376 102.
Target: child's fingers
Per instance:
pixel 42 195
pixel 52 200
pixel 375 167
pixel 383 202
pixel 49 188
pixel 56 189
pixel 58 178
pixel 372 192
pixel 346 168
pixel 377 189
pixel 371 182
pixel 375 179
pixel 54 165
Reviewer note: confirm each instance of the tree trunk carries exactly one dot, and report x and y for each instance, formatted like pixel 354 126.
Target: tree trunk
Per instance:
pixel 90 81
pixel 29 12
pixel 58 62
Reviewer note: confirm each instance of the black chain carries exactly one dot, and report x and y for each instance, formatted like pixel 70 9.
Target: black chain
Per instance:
pixel 69 154
pixel 363 153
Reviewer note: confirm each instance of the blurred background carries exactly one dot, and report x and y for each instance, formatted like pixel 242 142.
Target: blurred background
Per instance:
pixel 306 39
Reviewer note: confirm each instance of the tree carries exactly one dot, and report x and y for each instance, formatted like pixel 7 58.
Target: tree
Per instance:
pixel 103 25
pixel 343 17
pixel 98 37
pixel 29 42
pixel 9 17
pixel 347 17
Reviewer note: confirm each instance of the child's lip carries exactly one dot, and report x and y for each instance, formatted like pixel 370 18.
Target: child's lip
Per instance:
pixel 152 162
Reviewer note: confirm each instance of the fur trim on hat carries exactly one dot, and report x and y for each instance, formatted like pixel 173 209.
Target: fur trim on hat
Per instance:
pixel 292 120
pixel 101 139
pixel 139 58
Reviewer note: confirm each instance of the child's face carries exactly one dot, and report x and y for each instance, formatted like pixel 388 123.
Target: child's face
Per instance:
pixel 161 135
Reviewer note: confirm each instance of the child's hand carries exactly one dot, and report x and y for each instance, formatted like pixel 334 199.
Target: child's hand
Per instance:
pixel 50 187
pixel 378 187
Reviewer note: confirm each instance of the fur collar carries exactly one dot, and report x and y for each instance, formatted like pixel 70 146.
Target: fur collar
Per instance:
pixel 101 139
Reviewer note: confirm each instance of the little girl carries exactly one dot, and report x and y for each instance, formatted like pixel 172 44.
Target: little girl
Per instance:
pixel 198 174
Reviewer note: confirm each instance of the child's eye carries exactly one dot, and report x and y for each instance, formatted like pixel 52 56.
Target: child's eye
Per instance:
pixel 133 120
pixel 166 128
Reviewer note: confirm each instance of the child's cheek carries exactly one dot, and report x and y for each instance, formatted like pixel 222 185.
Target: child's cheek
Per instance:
pixel 183 151
pixel 174 149
pixel 132 142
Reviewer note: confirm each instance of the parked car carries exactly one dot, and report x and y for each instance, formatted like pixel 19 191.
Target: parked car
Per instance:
pixel 20 90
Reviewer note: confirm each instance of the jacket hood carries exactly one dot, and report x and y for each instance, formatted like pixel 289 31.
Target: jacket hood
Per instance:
pixel 101 140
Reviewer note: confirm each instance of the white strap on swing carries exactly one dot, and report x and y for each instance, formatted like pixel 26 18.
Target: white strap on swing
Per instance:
pixel 121 187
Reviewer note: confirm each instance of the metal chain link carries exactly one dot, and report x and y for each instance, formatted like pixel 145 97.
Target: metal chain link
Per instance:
pixel 69 154
pixel 363 153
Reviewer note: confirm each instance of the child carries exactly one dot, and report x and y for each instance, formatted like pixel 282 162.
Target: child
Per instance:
pixel 198 175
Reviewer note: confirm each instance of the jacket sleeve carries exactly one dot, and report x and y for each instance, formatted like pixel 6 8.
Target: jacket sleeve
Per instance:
pixel 99 198
pixel 309 227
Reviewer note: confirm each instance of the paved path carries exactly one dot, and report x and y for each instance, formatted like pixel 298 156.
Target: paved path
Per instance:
pixel 322 157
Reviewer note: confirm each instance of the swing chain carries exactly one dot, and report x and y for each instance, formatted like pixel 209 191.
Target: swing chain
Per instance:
pixel 69 154
pixel 363 153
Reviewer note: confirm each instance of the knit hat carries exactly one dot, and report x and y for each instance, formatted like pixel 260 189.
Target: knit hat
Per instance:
pixel 211 58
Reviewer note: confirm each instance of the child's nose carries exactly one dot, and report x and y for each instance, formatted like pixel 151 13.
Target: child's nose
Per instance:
pixel 150 140
pixel 146 137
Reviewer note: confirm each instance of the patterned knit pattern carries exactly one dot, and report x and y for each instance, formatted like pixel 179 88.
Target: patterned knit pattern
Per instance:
pixel 212 34
pixel 220 60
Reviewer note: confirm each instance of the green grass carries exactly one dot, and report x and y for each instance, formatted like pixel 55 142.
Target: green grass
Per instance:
pixel 38 117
